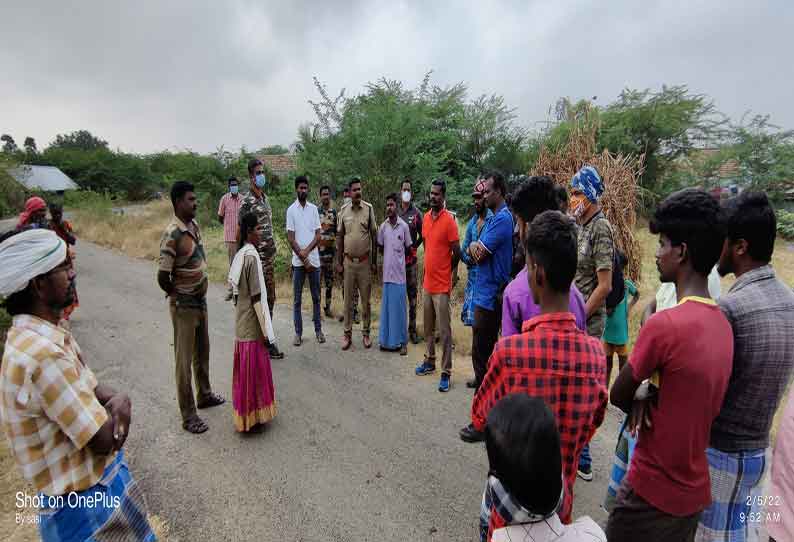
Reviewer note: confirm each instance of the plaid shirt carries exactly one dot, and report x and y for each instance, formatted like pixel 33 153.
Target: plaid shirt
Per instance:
pixel 554 360
pixel 760 309
pixel 48 408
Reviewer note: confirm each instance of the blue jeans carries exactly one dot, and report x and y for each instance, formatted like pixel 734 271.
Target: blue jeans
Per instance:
pixel 299 275
pixel 585 461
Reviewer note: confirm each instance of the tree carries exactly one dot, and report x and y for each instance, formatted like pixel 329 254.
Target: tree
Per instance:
pixel 663 125
pixel 764 153
pixel 9 146
pixel 488 124
pixel 30 145
pixel 80 140
pixel 390 132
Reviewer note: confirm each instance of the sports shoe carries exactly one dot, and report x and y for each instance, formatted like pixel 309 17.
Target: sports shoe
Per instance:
pixel 404 349
pixel 585 473
pixel 297 340
pixel 328 312
pixel 320 337
pixel 425 368
pixel 470 434
pixel 443 384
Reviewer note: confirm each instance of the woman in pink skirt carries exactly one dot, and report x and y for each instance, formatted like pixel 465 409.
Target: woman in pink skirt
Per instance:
pixel 253 394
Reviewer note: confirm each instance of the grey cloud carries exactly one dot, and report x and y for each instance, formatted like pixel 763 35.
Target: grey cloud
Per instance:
pixel 153 75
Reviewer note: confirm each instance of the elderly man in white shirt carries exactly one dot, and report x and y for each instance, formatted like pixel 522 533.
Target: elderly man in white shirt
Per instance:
pixel 303 234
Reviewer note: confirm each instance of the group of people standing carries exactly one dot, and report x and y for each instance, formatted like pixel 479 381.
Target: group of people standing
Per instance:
pixel 698 432
pixel 700 388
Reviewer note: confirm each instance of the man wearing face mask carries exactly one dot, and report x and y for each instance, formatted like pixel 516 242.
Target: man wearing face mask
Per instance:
pixel 257 202
pixel 228 215
pixel 594 265
pixel 411 216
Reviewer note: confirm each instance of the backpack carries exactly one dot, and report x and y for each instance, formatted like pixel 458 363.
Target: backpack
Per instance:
pixel 615 297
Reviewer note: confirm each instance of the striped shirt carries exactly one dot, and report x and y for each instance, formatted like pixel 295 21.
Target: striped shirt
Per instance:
pixel 182 256
pixel 229 209
pixel 48 408
pixel 760 309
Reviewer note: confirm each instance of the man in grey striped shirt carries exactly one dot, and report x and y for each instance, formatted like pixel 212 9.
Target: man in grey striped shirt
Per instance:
pixel 760 309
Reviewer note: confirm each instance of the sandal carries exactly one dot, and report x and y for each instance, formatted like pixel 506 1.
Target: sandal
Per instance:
pixel 194 425
pixel 213 399
pixel 367 341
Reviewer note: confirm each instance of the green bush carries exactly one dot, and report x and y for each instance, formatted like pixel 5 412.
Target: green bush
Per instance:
pixel 785 224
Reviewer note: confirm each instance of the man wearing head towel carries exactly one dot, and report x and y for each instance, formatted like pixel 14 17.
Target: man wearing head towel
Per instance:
pixel 66 430
pixel 594 268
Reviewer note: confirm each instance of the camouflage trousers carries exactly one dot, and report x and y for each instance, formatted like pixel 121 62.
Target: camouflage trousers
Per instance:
pixel 327 275
pixel 270 285
pixel 411 287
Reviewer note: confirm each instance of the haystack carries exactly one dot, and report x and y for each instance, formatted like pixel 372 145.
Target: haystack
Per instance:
pixel 620 175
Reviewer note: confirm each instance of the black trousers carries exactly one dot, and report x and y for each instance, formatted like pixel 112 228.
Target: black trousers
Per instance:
pixel 485 333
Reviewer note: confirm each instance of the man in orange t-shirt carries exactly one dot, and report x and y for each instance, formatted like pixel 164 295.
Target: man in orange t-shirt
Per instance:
pixel 442 254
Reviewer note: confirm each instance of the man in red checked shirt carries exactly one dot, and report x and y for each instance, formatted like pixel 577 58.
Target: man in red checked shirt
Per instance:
pixel 551 359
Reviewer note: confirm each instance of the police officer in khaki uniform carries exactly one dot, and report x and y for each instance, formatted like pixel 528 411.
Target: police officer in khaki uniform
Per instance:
pixel 357 258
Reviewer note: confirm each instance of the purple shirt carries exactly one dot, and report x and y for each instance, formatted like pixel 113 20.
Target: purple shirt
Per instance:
pixel 394 240
pixel 518 307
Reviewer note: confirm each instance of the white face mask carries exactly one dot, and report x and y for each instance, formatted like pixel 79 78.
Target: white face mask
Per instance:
pixel 406 196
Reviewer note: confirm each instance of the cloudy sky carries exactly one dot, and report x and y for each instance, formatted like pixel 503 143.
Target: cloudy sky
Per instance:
pixel 153 75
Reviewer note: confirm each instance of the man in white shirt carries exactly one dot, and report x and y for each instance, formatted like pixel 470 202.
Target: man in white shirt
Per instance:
pixel 303 234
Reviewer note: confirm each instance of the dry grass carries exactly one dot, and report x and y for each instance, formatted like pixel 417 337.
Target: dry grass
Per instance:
pixel 620 175
pixel 138 234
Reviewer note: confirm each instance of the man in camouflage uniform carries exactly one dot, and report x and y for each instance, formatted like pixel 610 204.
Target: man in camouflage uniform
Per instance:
pixel 594 266
pixel 413 217
pixel 327 244
pixel 256 202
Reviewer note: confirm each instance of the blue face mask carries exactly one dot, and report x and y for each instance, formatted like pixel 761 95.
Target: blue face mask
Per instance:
pixel 260 180
pixel 234 189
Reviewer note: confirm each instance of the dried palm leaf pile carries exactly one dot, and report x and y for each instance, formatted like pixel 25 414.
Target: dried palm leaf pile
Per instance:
pixel 620 175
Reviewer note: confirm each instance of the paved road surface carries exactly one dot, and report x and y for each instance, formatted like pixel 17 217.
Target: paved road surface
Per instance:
pixel 361 449
pixel 7 225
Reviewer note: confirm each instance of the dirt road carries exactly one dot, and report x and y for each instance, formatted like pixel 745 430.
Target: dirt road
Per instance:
pixel 361 449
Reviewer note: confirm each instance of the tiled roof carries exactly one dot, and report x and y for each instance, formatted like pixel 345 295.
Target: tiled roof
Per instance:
pixel 726 170
pixel 280 164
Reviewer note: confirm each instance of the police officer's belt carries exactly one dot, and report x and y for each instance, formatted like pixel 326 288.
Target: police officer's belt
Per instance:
pixel 357 259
